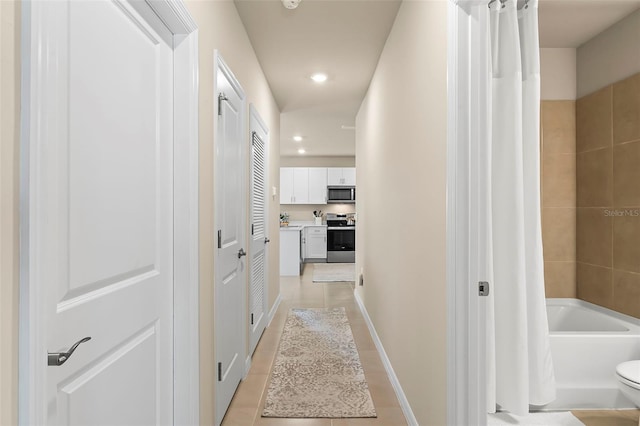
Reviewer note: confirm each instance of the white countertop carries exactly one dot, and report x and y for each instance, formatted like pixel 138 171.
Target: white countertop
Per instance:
pixel 301 224
pixel 291 228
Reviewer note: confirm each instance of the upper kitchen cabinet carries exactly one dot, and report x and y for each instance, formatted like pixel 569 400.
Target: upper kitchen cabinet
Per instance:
pixel 303 185
pixel 317 185
pixel 341 176
pixel 294 185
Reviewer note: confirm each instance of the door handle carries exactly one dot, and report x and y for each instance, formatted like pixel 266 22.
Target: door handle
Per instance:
pixel 241 253
pixel 59 358
pixel 266 240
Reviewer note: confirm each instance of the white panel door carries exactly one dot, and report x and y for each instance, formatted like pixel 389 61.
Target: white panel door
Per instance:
pixel 230 211
pixel 259 219
pixel 102 215
pixel 286 185
pixel 300 185
pixel 317 185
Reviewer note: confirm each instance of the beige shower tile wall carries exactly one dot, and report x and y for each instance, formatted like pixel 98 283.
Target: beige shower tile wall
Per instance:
pixel 608 196
pixel 559 197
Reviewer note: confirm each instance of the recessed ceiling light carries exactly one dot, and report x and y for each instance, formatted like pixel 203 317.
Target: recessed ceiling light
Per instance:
pixel 301 151
pixel 319 77
pixel 297 138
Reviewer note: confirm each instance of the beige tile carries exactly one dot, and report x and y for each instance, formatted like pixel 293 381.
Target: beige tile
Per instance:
pixel 371 362
pixel 261 361
pixel 250 391
pixel 386 417
pixel 559 234
pixel 594 178
pixel 593 120
pixel 626 175
pixel 630 414
pixel 558 180
pixel 626 240
pixel 382 392
pixel 558 127
pixel 595 284
pixel 626 292
pixel 626 110
pixel 560 279
pixel 239 416
pixel 272 421
pixel 593 236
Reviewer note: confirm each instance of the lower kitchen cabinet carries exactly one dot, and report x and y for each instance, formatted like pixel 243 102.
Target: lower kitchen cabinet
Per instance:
pixel 315 243
pixel 290 251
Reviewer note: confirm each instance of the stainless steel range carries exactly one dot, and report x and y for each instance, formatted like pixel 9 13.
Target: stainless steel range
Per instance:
pixel 341 238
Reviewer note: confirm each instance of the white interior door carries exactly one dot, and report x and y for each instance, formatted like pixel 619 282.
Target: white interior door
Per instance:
pixel 101 214
pixel 259 235
pixel 230 211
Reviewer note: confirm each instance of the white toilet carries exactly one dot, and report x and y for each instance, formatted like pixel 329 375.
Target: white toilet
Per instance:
pixel 628 375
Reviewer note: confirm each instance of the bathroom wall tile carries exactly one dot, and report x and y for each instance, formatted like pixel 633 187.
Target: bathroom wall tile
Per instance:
pixel 626 292
pixel 559 180
pixel 594 175
pixel 559 234
pixel 593 236
pixel 626 175
pixel 560 279
pixel 626 240
pixel 593 120
pixel 626 110
pixel 559 127
pixel 595 284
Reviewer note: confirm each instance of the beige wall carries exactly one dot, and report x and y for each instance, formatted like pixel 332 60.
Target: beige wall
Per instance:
pixel 559 197
pixel 558 74
pixel 611 56
pixel 9 151
pixel 220 28
pixel 608 196
pixel 400 161
pixel 305 211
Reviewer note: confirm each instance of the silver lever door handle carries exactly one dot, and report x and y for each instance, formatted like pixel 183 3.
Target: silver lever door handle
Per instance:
pixel 241 253
pixel 266 240
pixel 59 358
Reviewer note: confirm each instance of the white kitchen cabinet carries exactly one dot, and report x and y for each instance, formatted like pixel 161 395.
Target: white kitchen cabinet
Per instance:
pixel 294 185
pixel 341 176
pixel 315 242
pixel 317 185
pixel 290 251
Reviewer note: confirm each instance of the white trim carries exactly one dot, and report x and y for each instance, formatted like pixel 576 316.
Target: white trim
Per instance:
pixel 36 69
pixel 465 311
pixel 274 309
pixel 247 366
pixel 402 398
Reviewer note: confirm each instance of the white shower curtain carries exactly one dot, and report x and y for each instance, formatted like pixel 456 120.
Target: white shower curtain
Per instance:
pixel 520 370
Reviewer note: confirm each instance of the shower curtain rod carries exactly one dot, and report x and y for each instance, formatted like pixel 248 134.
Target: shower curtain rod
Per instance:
pixel 526 3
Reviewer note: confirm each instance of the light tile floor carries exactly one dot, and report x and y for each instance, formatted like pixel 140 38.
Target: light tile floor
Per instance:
pixel 301 292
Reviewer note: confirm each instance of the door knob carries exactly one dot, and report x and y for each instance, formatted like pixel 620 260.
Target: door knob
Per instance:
pixel 241 253
pixel 59 358
pixel 266 240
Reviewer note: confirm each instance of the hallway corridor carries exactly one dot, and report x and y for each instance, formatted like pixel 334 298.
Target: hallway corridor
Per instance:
pixel 301 292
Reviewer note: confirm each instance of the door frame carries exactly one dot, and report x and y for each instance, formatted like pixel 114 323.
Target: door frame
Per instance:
pixel 38 69
pixel 466 320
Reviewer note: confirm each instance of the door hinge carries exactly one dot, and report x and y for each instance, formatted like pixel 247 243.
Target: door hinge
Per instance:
pixel 483 288
pixel 252 229
pixel 219 238
pixel 251 319
pixel 221 97
pixel 219 371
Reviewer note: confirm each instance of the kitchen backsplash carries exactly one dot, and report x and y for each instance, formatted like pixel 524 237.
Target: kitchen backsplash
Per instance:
pixel 305 211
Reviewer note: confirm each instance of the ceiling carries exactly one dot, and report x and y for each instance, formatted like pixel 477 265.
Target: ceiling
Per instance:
pixel 344 39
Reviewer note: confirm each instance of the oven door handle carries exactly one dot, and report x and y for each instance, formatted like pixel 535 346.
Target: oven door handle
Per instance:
pixel 341 228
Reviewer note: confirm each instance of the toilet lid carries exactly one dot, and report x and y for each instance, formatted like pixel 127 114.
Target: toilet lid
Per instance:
pixel 629 370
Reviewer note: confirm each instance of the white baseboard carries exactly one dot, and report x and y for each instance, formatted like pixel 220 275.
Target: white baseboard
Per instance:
pixel 402 398
pixel 247 367
pixel 274 309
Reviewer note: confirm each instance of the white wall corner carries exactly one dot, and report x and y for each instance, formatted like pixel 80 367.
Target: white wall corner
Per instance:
pixel 402 398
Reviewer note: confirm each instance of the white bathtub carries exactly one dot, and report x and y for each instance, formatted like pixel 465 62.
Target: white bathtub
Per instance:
pixel 587 343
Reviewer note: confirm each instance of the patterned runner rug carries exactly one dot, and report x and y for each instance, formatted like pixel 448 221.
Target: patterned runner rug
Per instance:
pixel 317 371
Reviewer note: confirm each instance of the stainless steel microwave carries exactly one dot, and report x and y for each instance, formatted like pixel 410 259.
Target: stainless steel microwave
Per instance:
pixel 341 194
